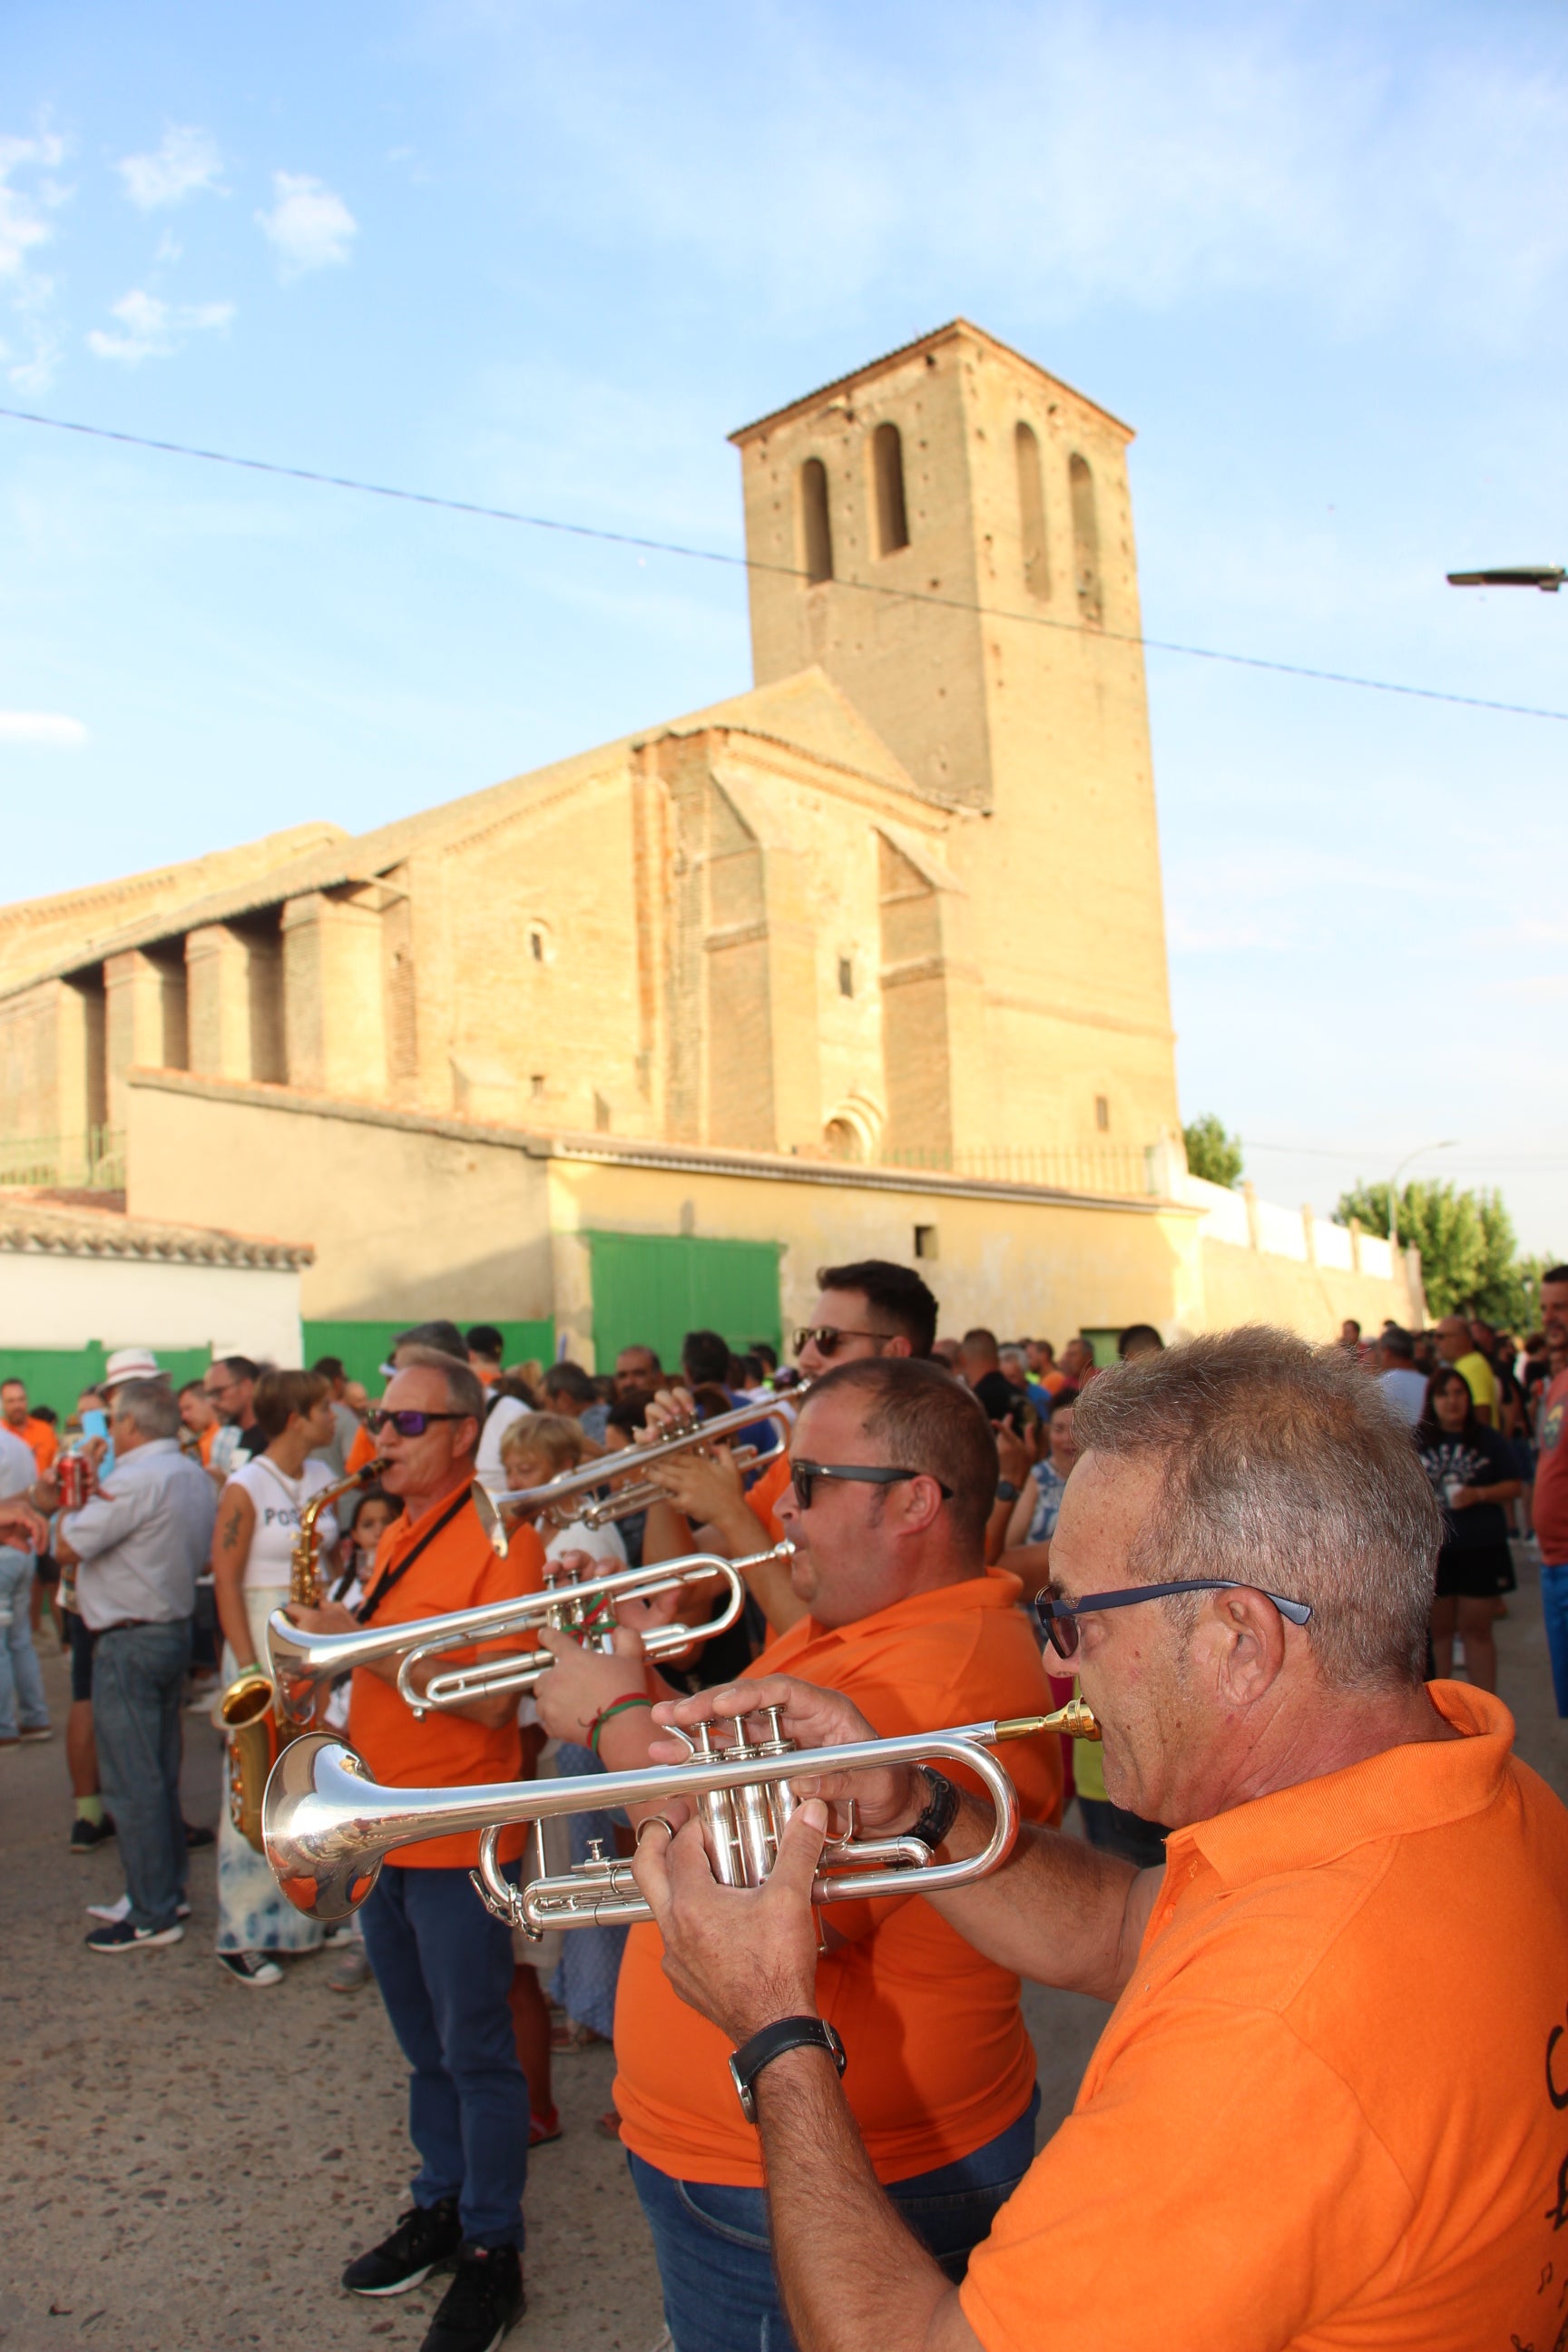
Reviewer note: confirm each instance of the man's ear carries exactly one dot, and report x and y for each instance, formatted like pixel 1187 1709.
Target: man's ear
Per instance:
pixel 1248 1636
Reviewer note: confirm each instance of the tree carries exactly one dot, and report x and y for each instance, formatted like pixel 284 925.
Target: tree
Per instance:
pixel 1469 1252
pixel 1212 1153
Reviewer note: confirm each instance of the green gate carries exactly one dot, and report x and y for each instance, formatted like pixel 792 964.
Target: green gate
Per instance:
pixel 56 1376
pixel 650 1289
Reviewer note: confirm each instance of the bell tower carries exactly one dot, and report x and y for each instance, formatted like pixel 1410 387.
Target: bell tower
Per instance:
pixel 948 532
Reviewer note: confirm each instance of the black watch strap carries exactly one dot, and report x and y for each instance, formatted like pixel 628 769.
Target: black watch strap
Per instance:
pixel 940 1814
pixel 786 2034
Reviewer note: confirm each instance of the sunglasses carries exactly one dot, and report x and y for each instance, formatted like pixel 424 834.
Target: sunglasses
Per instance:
pixel 805 1474
pixel 825 1338
pixel 1059 1619
pixel 407 1424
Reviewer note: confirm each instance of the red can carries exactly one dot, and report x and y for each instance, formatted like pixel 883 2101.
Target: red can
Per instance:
pixel 73 1475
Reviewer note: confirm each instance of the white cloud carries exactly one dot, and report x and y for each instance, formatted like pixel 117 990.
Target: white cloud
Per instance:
pixel 310 227
pixel 152 329
pixel 24 228
pixel 187 161
pixel 40 727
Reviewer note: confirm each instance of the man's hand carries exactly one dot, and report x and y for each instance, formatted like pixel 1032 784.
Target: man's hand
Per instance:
pixel 887 1799
pixel 1015 1456
pixel 743 1956
pixel 705 1486
pixel 331 1617
pixel 17 1518
pixel 582 1682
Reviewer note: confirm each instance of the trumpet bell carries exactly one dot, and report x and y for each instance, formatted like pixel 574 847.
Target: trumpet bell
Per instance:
pixel 314 1829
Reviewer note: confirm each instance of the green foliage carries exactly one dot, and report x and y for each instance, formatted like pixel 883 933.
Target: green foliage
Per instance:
pixel 1212 1153
pixel 1469 1252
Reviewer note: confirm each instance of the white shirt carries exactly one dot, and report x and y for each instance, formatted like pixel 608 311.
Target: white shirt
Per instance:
pixel 142 1538
pixel 19 1470
pixel 1408 1391
pixel 502 1413
pixel 277 1500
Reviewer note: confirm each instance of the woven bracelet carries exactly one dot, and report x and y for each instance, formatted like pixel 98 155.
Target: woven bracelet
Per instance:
pixel 616 1706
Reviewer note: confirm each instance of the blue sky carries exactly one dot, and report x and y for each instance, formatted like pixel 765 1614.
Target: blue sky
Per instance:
pixel 548 256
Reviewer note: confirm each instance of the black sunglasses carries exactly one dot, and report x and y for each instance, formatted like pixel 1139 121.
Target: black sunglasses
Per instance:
pixel 825 1338
pixel 805 1474
pixel 407 1424
pixel 1059 1619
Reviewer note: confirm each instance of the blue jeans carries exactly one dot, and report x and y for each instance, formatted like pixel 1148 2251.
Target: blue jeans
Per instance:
pixel 138 1683
pixel 711 2243
pixel 1554 1609
pixel 21 1677
pixel 443 1965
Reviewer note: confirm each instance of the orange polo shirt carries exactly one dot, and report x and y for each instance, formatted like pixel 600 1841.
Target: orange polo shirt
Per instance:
pixel 438 1750
pixel 939 2058
pixel 361 1453
pixel 761 1498
pixel 1331 2108
pixel 41 1438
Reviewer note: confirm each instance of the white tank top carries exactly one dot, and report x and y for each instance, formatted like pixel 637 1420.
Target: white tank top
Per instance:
pixel 277 1500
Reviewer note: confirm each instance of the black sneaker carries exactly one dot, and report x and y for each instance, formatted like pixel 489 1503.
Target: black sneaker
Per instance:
pixel 88 1836
pixel 484 2300
pixel 427 2239
pixel 196 1838
pixel 120 1936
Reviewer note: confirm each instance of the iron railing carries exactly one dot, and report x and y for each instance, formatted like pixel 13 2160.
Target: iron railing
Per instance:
pixel 93 1161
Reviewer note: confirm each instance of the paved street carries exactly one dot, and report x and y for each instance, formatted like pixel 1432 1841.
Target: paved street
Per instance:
pixel 188 2163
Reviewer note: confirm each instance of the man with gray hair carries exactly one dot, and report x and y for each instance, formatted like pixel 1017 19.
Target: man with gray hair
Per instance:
pixel 1280 2140
pixel 137 1547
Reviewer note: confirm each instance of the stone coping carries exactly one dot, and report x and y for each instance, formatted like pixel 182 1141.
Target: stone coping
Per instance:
pixel 32 1222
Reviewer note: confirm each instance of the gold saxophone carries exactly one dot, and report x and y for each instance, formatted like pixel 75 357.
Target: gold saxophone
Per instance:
pixel 248 1709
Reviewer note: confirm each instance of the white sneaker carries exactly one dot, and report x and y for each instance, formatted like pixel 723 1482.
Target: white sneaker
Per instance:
pixel 115 1912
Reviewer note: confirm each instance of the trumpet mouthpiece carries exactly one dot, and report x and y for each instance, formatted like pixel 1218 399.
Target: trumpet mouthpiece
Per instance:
pixel 1075 1720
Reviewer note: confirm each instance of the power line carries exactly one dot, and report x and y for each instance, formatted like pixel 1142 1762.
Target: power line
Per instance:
pixel 785 571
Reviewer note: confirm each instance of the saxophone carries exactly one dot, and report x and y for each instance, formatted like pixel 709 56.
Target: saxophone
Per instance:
pixel 248 1709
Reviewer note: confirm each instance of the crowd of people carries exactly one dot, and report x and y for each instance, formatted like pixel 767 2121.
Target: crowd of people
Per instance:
pixel 899 1527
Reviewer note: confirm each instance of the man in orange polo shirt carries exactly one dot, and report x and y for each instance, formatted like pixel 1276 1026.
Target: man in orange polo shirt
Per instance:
pixel 23 1423
pixel 901 1613
pixel 1282 2140
pixel 873 1309
pixel 443 1963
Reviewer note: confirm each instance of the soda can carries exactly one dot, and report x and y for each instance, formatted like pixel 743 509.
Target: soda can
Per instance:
pixel 73 1478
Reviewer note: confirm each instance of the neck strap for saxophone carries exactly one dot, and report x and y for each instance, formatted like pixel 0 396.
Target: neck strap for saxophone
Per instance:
pixel 442 1520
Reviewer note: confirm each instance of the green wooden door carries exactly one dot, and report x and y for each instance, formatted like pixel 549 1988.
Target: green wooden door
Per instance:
pixel 650 1289
pixel 56 1376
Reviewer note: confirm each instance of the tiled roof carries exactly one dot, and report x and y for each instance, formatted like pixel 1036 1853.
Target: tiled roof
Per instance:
pixel 40 1224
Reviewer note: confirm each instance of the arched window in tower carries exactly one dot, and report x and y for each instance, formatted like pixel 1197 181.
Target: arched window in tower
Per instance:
pixel 1031 512
pixel 1085 538
pixel 888 473
pixel 813 515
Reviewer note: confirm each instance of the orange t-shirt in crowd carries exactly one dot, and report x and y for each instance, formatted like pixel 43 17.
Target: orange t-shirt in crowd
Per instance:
pixel 43 1440
pixel 206 1440
pixel 1549 1507
pixel 761 1497
pixel 361 1453
pixel 457 1570
pixel 1053 1381
pixel 1331 2108
pixel 939 2058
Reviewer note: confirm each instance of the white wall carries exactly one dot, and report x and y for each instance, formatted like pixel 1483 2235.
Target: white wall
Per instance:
pixel 63 1302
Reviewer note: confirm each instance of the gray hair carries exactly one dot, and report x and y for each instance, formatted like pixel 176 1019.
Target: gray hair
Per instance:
pixel 1285 1466
pixel 152 1405
pixel 465 1390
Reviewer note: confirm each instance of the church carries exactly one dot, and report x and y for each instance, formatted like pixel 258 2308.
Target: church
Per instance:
pixel 869 959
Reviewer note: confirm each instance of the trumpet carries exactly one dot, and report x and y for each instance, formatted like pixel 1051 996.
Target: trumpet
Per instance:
pixel 251 1709
pixel 303 1663
pixel 556 1500
pixel 329 1827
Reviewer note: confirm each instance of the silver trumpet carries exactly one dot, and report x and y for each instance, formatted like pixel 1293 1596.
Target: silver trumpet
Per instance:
pixel 328 1826
pixel 557 1500
pixel 304 1664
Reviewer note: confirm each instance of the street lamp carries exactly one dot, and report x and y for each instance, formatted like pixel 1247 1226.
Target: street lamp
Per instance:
pixel 1393 1185
pixel 1547 577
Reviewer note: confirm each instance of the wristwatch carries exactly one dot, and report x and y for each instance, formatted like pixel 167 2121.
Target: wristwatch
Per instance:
pixel 786 2034
pixel 1006 1492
